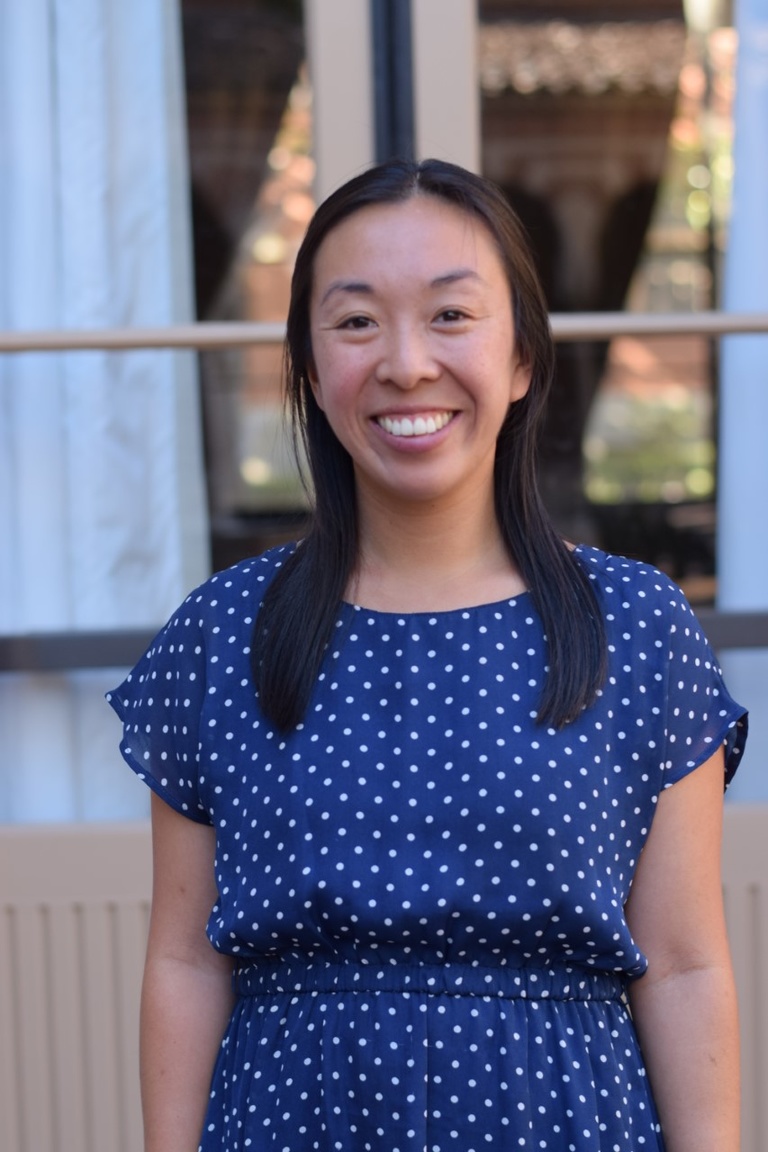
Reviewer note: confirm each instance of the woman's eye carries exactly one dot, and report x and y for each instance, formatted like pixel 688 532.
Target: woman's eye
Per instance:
pixel 451 315
pixel 356 322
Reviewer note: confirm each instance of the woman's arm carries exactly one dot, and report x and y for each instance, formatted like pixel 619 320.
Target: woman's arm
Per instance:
pixel 685 1006
pixel 186 995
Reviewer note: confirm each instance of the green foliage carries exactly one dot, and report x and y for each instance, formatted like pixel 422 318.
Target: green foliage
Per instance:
pixel 650 450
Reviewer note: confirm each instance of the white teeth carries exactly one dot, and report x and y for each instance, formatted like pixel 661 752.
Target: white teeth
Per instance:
pixel 419 426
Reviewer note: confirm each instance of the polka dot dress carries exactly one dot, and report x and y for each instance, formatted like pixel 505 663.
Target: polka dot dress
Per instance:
pixel 423 889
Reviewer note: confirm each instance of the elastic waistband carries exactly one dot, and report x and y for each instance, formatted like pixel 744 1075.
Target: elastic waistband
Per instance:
pixel 270 977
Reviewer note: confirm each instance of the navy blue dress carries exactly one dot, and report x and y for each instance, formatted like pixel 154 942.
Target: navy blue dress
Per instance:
pixel 422 889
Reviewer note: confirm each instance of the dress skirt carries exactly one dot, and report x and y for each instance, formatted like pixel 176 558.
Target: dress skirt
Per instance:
pixel 429 1058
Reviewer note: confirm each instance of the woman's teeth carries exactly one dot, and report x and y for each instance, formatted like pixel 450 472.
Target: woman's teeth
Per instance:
pixel 418 426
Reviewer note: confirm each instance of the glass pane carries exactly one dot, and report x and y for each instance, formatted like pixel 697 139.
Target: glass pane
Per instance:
pixel 250 144
pixel 609 126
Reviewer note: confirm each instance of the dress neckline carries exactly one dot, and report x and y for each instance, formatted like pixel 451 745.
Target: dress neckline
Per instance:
pixel 441 613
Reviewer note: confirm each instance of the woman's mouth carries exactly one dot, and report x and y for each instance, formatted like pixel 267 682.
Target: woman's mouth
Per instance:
pixel 414 425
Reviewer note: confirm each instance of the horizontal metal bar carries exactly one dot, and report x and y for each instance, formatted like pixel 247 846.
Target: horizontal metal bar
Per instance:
pixel 207 335
pixel 65 651
pixel 726 630
pixel 606 325
pixel 565 327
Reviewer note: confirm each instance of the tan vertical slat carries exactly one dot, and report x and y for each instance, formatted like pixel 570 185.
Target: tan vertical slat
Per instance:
pixel 739 918
pixel 34 1047
pixel 101 1042
pixel 131 934
pixel 745 877
pixel 760 904
pixel 10 1098
pixel 67 1010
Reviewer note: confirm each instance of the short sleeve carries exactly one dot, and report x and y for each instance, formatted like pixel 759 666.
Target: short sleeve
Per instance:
pixel 160 704
pixel 701 715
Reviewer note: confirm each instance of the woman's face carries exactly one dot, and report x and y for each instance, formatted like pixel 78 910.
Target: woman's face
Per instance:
pixel 413 349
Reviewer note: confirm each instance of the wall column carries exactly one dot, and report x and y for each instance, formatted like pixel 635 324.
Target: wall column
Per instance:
pixel 743 480
pixel 446 83
pixel 340 59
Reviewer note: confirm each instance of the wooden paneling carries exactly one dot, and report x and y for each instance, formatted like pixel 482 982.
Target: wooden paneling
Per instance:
pixel 74 907
pixel 745 876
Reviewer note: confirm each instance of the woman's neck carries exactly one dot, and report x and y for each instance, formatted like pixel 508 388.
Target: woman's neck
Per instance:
pixel 419 557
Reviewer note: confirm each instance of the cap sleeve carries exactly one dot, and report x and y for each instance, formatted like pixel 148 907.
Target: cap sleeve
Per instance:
pixel 160 704
pixel 701 715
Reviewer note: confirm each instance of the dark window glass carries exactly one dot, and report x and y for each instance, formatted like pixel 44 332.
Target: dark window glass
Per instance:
pixel 250 148
pixel 609 126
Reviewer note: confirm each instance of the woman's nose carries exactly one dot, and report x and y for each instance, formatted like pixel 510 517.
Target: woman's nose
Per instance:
pixel 407 358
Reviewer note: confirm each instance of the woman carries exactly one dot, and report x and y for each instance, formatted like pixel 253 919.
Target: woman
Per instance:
pixel 416 773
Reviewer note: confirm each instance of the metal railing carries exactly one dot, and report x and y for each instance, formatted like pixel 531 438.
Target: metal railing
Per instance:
pixel 566 327
pixel 54 652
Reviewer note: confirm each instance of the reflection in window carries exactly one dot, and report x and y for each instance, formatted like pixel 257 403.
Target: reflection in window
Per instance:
pixel 650 439
pixel 611 136
pixel 250 140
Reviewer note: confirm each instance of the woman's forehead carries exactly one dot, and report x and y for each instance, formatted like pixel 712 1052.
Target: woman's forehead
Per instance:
pixel 421 232
pixel 423 207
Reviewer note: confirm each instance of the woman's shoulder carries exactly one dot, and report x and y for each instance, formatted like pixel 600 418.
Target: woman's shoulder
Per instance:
pixel 216 615
pixel 627 584
pixel 242 584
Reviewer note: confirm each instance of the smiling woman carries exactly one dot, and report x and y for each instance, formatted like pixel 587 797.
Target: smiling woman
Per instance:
pixel 445 789
pixel 516 546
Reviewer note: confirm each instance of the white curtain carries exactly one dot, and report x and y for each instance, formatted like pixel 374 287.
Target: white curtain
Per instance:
pixel 743 483
pixel 102 511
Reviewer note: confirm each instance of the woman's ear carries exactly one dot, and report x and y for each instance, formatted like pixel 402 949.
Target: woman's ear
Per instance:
pixel 314 383
pixel 520 381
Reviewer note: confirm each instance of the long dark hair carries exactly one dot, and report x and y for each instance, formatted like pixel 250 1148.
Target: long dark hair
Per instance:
pixel 301 605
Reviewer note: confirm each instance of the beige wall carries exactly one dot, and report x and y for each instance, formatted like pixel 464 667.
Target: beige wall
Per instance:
pixel 339 52
pixel 74 904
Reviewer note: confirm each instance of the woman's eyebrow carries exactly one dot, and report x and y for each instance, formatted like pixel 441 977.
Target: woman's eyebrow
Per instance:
pixel 346 286
pixel 362 287
pixel 455 275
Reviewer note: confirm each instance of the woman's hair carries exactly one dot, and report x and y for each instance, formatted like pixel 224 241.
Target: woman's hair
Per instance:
pixel 300 607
